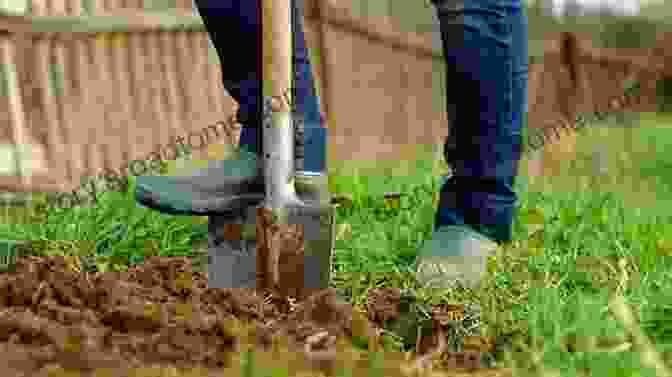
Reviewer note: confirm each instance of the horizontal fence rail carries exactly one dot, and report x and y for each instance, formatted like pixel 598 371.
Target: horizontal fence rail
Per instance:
pixel 120 22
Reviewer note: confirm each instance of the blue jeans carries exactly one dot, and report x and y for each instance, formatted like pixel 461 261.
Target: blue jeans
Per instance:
pixel 234 27
pixel 485 48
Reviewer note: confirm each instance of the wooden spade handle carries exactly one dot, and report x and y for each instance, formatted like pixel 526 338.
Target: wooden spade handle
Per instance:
pixel 277 32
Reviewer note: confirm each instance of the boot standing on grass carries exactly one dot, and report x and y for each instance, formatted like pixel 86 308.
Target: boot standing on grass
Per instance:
pixel 485 49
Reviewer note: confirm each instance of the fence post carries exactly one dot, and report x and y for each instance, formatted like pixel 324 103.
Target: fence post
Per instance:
pixel 16 117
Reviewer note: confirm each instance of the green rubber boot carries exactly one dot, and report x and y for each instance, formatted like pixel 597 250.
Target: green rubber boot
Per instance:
pixel 456 255
pixel 222 187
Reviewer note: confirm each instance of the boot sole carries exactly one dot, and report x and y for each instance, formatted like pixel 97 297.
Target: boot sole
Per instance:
pixel 199 206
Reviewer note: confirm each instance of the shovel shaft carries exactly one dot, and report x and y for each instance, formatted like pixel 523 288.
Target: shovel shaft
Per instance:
pixel 277 31
pixel 278 146
pixel 278 135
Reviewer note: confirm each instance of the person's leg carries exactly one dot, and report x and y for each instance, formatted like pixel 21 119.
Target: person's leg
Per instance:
pixel 240 60
pixel 306 103
pixel 236 184
pixel 485 48
pixel 242 71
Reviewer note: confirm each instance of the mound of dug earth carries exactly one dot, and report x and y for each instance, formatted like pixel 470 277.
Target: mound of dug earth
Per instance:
pixel 159 314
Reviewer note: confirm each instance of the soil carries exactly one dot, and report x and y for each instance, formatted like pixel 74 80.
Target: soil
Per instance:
pixel 160 313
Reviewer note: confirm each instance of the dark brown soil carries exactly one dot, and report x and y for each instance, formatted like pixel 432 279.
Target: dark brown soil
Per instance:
pixel 159 313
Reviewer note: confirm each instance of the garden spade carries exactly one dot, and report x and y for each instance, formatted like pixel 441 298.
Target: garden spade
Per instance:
pixel 285 244
pixel 294 235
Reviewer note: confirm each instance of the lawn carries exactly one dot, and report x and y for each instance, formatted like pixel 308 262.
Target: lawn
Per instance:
pixel 585 249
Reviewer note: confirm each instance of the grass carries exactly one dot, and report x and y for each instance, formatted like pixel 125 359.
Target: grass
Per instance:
pixel 580 245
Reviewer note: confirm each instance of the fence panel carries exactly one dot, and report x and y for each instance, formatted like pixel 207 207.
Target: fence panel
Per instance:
pixel 96 93
pixel 382 84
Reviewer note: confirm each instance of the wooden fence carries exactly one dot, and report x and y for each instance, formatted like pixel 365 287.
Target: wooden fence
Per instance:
pixel 602 73
pixel 88 90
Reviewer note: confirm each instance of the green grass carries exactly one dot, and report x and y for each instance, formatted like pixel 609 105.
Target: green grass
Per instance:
pixel 578 243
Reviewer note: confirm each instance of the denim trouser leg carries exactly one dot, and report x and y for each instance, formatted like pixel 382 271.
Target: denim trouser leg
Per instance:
pixel 485 48
pixel 235 29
